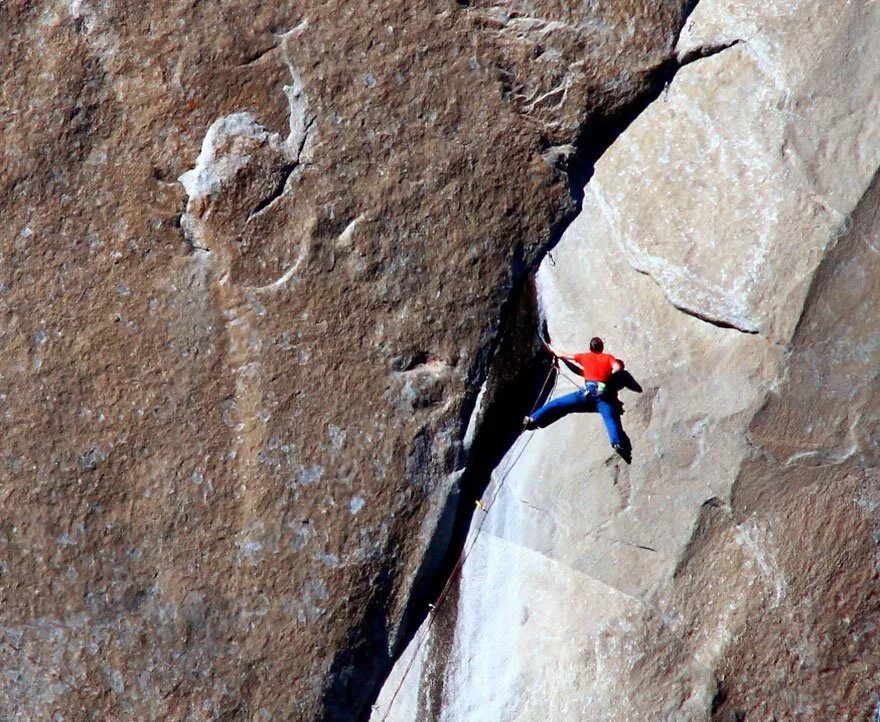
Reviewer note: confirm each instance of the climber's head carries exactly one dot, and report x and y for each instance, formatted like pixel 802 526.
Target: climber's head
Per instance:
pixel 596 345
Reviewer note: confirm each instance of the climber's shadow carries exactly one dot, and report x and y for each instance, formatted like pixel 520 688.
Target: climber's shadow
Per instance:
pixel 624 380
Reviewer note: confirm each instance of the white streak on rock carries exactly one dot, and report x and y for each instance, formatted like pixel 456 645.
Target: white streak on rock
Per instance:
pixel 757 542
pixel 225 151
pixel 300 119
pixel 222 154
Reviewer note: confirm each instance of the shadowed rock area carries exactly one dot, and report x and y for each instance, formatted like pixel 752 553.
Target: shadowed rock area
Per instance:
pixel 255 260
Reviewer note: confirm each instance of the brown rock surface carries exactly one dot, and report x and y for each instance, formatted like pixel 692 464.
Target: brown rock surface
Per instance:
pixel 232 404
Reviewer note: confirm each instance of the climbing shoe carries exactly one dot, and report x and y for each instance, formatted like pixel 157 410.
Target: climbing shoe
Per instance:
pixel 623 452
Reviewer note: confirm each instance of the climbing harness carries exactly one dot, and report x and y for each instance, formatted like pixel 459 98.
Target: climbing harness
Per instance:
pixel 595 388
pixel 485 507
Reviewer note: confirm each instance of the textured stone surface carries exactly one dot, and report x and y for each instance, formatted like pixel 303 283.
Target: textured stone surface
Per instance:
pixel 731 571
pixel 254 261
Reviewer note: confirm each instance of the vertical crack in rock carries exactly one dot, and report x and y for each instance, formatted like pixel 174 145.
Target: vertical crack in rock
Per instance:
pixel 516 378
pixel 368 642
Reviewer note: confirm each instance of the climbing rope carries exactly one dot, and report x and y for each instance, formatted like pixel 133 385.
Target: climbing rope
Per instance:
pixel 469 545
pixel 577 383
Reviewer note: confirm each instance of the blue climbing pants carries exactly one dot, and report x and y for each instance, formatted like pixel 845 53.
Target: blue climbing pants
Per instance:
pixel 581 401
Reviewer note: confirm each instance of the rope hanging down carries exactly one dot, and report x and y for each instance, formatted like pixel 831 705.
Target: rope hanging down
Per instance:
pixel 466 550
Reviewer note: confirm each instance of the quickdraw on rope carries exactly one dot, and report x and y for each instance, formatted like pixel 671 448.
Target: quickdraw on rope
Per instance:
pixel 468 547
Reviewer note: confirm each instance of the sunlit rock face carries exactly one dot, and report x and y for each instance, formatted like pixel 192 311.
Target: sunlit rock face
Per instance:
pixel 255 260
pixel 728 250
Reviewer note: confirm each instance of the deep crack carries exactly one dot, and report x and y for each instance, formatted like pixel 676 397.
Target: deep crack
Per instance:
pixel 706 51
pixel 713 321
pixel 276 193
pixel 256 56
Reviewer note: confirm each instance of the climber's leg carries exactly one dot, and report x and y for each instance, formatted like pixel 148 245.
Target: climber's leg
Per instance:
pixel 607 410
pixel 557 408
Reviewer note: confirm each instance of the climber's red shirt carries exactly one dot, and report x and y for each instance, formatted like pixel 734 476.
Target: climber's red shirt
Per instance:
pixel 596 366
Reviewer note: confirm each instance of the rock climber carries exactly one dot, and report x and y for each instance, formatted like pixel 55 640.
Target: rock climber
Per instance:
pixel 602 379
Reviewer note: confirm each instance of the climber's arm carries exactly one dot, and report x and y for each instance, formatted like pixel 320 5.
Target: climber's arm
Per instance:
pixel 574 366
pixel 557 353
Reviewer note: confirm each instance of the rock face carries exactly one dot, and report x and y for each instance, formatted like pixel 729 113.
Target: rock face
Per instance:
pixel 256 257
pixel 727 250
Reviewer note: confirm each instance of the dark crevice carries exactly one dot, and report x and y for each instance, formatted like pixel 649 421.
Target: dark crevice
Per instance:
pixel 516 382
pixel 409 360
pixel 705 51
pixel 277 192
pixel 719 699
pixel 519 377
pixel 302 144
pixel 256 56
pixel 714 321
pixel 284 173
